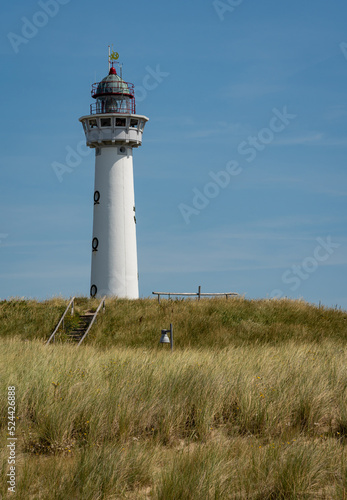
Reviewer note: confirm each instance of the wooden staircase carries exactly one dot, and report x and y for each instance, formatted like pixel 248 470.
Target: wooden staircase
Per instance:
pixel 83 325
pixel 86 321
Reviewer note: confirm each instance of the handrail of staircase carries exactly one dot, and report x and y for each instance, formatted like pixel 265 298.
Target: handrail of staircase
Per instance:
pixel 70 304
pixel 102 303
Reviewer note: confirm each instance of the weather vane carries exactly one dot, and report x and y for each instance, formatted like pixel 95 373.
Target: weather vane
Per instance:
pixel 112 56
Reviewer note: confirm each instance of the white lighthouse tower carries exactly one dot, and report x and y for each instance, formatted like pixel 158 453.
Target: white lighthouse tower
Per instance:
pixel 114 129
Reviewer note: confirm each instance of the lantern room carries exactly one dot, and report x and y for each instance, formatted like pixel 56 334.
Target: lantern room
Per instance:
pixel 113 95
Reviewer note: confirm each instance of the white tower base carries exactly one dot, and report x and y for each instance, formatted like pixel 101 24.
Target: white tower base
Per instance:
pixel 114 256
pixel 114 252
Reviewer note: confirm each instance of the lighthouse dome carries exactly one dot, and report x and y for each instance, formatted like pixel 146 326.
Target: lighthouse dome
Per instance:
pixel 112 84
pixel 113 95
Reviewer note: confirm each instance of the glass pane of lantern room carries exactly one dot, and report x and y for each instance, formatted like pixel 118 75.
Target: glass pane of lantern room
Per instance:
pixel 124 105
pixel 111 105
pixel 99 106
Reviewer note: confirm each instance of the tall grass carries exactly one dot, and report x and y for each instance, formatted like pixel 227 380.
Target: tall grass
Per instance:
pixel 237 411
pixel 214 323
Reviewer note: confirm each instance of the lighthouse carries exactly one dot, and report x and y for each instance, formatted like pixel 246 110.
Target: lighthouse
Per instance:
pixel 114 130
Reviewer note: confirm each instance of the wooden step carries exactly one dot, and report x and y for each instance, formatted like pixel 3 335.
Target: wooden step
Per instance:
pixel 81 328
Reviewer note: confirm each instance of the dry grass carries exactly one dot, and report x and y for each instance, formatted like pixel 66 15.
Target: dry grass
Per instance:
pixel 239 410
pixel 214 323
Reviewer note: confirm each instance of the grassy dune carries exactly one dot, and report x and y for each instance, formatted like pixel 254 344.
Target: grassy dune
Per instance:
pixel 214 323
pixel 251 404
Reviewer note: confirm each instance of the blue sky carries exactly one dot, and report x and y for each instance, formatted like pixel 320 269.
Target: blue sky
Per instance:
pixel 249 94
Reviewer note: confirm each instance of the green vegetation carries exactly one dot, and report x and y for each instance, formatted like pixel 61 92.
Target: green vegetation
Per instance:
pixel 251 404
pixel 215 323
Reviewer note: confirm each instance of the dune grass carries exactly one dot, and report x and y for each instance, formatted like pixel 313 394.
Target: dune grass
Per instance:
pixel 251 404
pixel 211 323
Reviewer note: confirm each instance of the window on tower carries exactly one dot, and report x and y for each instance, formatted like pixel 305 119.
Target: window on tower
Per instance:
pixel 95 244
pixel 105 122
pixel 120 122
pixel 134 123
pixel 92 123
pixel 96 198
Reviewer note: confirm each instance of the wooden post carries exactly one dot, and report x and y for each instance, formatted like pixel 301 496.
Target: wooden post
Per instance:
pixel 199 292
